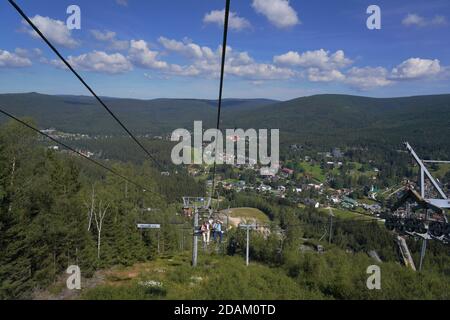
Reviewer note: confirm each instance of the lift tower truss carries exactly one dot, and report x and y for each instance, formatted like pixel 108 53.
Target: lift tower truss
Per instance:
pixel 432 224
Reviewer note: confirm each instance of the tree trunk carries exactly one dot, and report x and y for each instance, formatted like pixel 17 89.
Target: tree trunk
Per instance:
pixel 98 244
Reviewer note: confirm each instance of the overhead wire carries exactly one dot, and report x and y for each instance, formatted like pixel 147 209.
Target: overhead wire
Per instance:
pixel 114 172
pixel 222 75
pixel 103 104
pixel 78 76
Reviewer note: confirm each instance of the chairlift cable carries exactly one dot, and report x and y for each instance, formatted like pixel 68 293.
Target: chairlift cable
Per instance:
pixel 114 172
pixel 102 103
pixel 222 74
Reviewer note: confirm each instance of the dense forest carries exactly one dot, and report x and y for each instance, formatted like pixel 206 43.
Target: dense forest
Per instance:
pixel 57 209
pixel 319 121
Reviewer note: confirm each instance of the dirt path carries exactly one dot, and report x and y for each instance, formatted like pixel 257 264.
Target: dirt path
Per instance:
pixel 66 294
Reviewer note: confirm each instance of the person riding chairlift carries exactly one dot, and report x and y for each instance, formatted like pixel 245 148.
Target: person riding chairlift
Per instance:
pixel 206 232
pixel 217 227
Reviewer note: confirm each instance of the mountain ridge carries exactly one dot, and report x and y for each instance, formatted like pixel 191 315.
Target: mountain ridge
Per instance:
pixel 318 118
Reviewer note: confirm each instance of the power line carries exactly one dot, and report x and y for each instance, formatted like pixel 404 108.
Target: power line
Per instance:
pixel 222 73
pixel 22 13
pixel 77 152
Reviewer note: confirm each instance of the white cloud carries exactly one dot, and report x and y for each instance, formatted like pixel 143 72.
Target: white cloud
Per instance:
pixel 235 22
pixel 22 52
pixel 110 38
pixel 37 51
pixel 55 30
pixel 314 66
pixel 206 62
pixel 123 3
pixel 186 71
pixel 291 58
pixel 413 19
pixel 314 59
pixel 317 75
pixel 13 60
pixel 98 61
pixel 260 71
pixel 368 77
pixel 278 12
pixel 142 56
pixel 56 63
pixel 439 21
pixel 187 48
pixel 415 68
pixel 103 36
pixel 237 58
pixel 26 53
pixel 445 73
pixel 323 66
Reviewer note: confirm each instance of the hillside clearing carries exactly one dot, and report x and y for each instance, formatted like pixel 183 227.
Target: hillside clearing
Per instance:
pixel 238 215
pixel 217 277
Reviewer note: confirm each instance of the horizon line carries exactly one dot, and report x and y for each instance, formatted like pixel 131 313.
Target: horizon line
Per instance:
pixel 216 99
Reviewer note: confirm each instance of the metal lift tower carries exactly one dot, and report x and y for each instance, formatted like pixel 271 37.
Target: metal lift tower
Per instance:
pixel 433 223
pixel 201 206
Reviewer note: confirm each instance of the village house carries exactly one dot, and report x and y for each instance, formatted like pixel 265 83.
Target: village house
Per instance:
pixel 311 203
pixel 287 171
pixel 297 190
pixel 349 203
pixel 264 188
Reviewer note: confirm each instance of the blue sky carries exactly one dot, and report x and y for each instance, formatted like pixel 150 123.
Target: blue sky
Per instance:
pixel 277 48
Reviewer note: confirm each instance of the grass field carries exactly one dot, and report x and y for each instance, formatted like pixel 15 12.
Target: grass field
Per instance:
pixel 319 174
pixel 314 170
pixel 347 214
pixel 441 171
pixel 216 277
pixel 249 213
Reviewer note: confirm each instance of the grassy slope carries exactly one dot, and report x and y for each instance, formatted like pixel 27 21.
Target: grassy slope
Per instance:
pixel 249 213
pixel 314 170
pixel 335 274
pixel 347 214
pixel 216 278
pixel 441 171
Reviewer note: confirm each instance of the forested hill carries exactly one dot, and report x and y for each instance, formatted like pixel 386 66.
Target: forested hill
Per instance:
pixel 84 114
pixel 338 119
pixel 58 210
pixel 319 119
